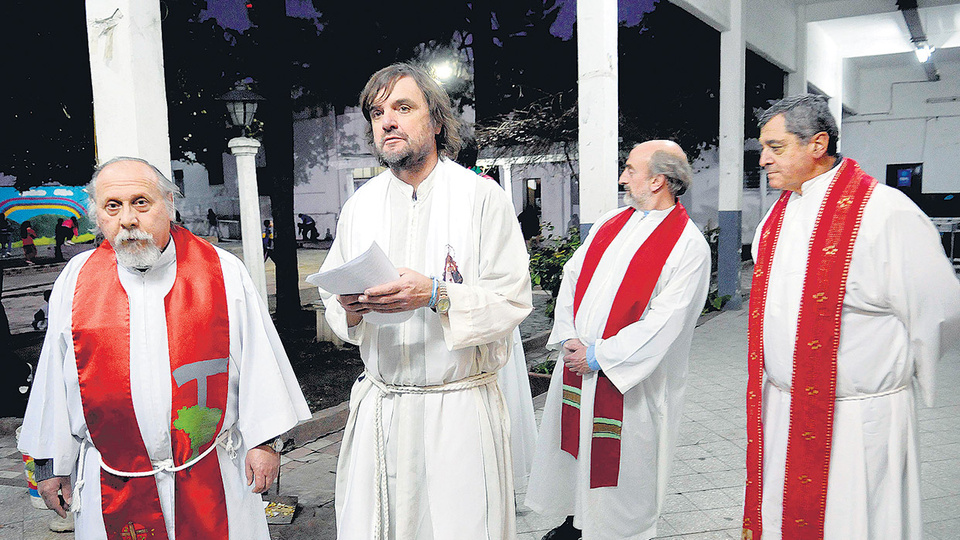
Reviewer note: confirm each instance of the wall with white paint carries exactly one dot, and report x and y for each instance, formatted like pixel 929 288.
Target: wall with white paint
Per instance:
pixel 897 123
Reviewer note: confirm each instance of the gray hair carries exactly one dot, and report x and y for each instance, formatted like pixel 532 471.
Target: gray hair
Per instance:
pixel 676 168
pixel 168 189
pixel 449 141
pixel 805 115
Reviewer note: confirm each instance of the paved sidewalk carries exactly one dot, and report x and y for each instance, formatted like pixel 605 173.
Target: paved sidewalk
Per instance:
pixel 705 493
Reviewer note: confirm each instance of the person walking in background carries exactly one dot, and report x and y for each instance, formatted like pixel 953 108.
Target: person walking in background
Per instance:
pixel 213 224
pixel 5 239
pixel 852 305
pixel 72 230
pixel 27 234
pixel 60 234
pixel 267 240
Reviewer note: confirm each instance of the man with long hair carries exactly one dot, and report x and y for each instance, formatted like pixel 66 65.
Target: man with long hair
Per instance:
pixel 426 450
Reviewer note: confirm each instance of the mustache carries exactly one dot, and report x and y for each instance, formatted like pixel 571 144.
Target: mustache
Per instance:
pixel 133 234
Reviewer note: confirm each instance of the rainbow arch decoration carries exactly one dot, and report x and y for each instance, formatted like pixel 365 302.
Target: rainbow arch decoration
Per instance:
pixel 65 201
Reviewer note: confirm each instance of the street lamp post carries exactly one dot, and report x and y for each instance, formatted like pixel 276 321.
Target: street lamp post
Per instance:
pixel 242 104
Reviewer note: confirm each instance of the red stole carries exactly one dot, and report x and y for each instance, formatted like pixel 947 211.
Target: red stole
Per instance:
pixel 197 331
pixel 813 388
pixel 630 302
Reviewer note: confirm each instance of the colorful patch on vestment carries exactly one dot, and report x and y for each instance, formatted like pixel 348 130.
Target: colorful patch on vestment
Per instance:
pixel 607 428
pixel 571 396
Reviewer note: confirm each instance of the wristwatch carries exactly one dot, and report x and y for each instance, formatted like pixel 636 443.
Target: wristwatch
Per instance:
pixel 276 445
pixel 443 300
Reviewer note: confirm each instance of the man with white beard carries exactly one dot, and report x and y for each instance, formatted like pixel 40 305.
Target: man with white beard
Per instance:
pixel 159 352
pixel 624 320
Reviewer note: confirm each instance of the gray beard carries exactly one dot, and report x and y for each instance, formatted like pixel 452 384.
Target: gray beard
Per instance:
pixel 630 200
pixel 135 256
pixel 400 162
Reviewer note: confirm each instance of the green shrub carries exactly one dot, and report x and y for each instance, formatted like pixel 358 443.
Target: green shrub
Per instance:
pixel 547 257
pixel 545 367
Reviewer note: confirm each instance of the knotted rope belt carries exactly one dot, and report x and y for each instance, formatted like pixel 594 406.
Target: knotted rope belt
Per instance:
pixel 229 439
pixel 382 526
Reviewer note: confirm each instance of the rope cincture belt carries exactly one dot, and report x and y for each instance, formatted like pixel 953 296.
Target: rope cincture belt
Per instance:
pixel 382 527
pixel 855 397
pixel 229 439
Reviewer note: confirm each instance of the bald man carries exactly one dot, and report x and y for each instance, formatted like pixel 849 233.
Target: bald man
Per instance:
pixel 162 384
pixel 624 320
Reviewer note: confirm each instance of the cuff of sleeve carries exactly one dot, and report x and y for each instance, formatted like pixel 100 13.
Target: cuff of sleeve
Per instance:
pixel 355 333
pixel 43 469
pixel 592 358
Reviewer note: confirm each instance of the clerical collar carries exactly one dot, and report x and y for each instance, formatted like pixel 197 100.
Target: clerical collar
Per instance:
pixel 422 190
pixel 816 180
pixel 656 213
pixel 167 257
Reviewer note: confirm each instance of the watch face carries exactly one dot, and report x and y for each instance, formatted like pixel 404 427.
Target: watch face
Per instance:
pixel 443 304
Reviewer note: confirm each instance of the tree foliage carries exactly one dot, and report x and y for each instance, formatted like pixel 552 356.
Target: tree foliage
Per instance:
pixel 668 80
pixel 47 111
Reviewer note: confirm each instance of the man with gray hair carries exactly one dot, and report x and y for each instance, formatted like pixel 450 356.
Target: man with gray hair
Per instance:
pixel 852 304
pixel 426 450
pixel 162 385
pixel 624 321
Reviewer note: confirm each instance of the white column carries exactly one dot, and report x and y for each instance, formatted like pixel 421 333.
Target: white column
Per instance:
pixel 507 182
pixel 797 81
pixel 597 83
pixel 245 150
pixel 732 76
pixel 126 68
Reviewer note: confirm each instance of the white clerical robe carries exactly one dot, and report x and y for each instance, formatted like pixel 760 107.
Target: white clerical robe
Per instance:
pixel 514 379
pixel 447 455
pixel 646 361
pixel 264 399
pixel 900 312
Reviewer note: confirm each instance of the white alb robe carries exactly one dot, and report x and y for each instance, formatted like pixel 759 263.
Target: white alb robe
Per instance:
pixel 447 455
pixel 514 379
pixel 646 361
pixel 264 399
pixel 900 312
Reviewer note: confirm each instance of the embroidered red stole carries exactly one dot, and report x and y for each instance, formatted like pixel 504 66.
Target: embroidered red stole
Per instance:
pixel 813 388
pixel 630 302
pixel 198 341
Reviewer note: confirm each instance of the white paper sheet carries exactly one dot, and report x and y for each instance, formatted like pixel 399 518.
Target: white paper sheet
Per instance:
pixel 369 269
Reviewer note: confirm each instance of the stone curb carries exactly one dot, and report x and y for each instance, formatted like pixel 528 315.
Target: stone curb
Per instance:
pixel 323 423
pixel 34 269
pixel 333 419
pixel 536 342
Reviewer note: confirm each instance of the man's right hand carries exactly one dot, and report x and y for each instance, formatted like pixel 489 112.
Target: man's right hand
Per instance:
pixel 51 490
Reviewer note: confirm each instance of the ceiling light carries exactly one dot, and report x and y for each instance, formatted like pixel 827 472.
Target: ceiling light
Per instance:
pixel 924 50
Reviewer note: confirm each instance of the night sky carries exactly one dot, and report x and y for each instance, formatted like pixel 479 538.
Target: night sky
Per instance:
pixel 233 13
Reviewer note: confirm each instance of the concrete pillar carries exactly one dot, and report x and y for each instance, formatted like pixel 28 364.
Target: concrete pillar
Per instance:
pixel 597 83
pixel 797 81
pixel 507 181
pixel 732 76
pixel 245 150
pixel 126 68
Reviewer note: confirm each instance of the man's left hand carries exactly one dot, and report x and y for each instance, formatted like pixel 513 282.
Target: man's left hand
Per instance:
pixel 411 291
pixel 575 356
pixel 262 465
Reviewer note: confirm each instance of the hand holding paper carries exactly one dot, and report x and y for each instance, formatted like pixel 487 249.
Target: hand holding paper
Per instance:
pixel 411 291
pixel 371 287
